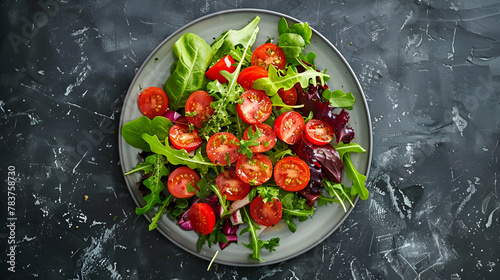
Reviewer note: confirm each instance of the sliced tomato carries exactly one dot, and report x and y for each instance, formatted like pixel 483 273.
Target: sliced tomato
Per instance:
pixel 266 214
pixel 202 217
pixel 267 139
pixel 289 97
pixel 179 180
pixel 182 138
pixel 198 108
pixel 269 54
pixel 255 108
pixel 255 171
pixel 291 174
pixel 226 63
pixel 289 127
pixel 230 185
pixel 249 75
pixel 319 132
pixel 222 148
pixel 153 101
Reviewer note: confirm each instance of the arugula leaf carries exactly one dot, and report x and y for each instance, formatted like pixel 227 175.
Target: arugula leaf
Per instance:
pixel 358 180
pixel 337 190
pixel 255 243
pixel 156 218
pixel 177 157
pixel 268 193
pixel 231 38
pixel 339 99
pixel 226 105
pixel 154 182
pixel 251 142
pixel 348 148
pixel 133 130
pixel 194 56
pixel 274 82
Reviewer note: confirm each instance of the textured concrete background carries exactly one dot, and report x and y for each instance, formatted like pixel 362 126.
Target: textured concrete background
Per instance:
pixel 430 71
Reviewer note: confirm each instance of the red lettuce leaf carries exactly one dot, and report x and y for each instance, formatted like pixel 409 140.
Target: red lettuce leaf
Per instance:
pixel 325 155
pixel 323 111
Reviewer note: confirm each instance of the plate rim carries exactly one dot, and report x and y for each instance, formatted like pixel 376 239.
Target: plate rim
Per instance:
pixel 351 72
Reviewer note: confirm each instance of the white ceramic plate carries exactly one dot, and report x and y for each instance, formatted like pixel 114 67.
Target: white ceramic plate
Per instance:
pixel 327 219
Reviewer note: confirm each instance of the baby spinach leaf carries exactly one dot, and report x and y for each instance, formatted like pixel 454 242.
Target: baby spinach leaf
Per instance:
pixel 339 99
pixel 133 130
pixel 194 56
pixel 292 45
pixel 177 157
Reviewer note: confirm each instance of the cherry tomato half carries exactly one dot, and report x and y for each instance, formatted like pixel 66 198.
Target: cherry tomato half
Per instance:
pixel 222 148
pixel 179 180
pixel 249 75
pixel 198 108
pixel 255 171
pixel 153 101
pixel 230 185
pixel 182 138
pixel 319 132
pixel 266 214
pixel 256 106
pixel 291 174
pixel 269 54
pixel 289 127
pixel 226 63
pixel 202 217
pixel 289 97
pixel 267 139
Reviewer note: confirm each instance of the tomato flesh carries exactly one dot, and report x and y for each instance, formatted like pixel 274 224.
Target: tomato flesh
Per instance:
pixel 182 138
pixel 153 101
pixel 249 75
pixel 230 185
pixel 319 132
pixel 202 217
pixel 254 171
pixel 256 106
pixel 198 108
pixel 289 96
pixel 269 54
pixel 226 63
pixel 291 174
pixel 289 127
pixel 179 180
pixel 222 148
pixel 266 213
pixel 267 140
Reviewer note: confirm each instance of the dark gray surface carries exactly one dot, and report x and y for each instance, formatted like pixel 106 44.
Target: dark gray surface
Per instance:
pixel 430 71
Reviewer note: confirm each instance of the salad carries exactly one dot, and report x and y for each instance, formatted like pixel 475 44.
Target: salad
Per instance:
pixel 241 138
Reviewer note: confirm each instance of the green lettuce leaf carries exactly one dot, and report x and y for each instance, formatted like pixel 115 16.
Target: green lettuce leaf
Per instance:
pixel 194 56
pixel 133 130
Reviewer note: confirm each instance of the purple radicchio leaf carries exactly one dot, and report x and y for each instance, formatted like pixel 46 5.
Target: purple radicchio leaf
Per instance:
pixel 326 155
pixel 323 111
